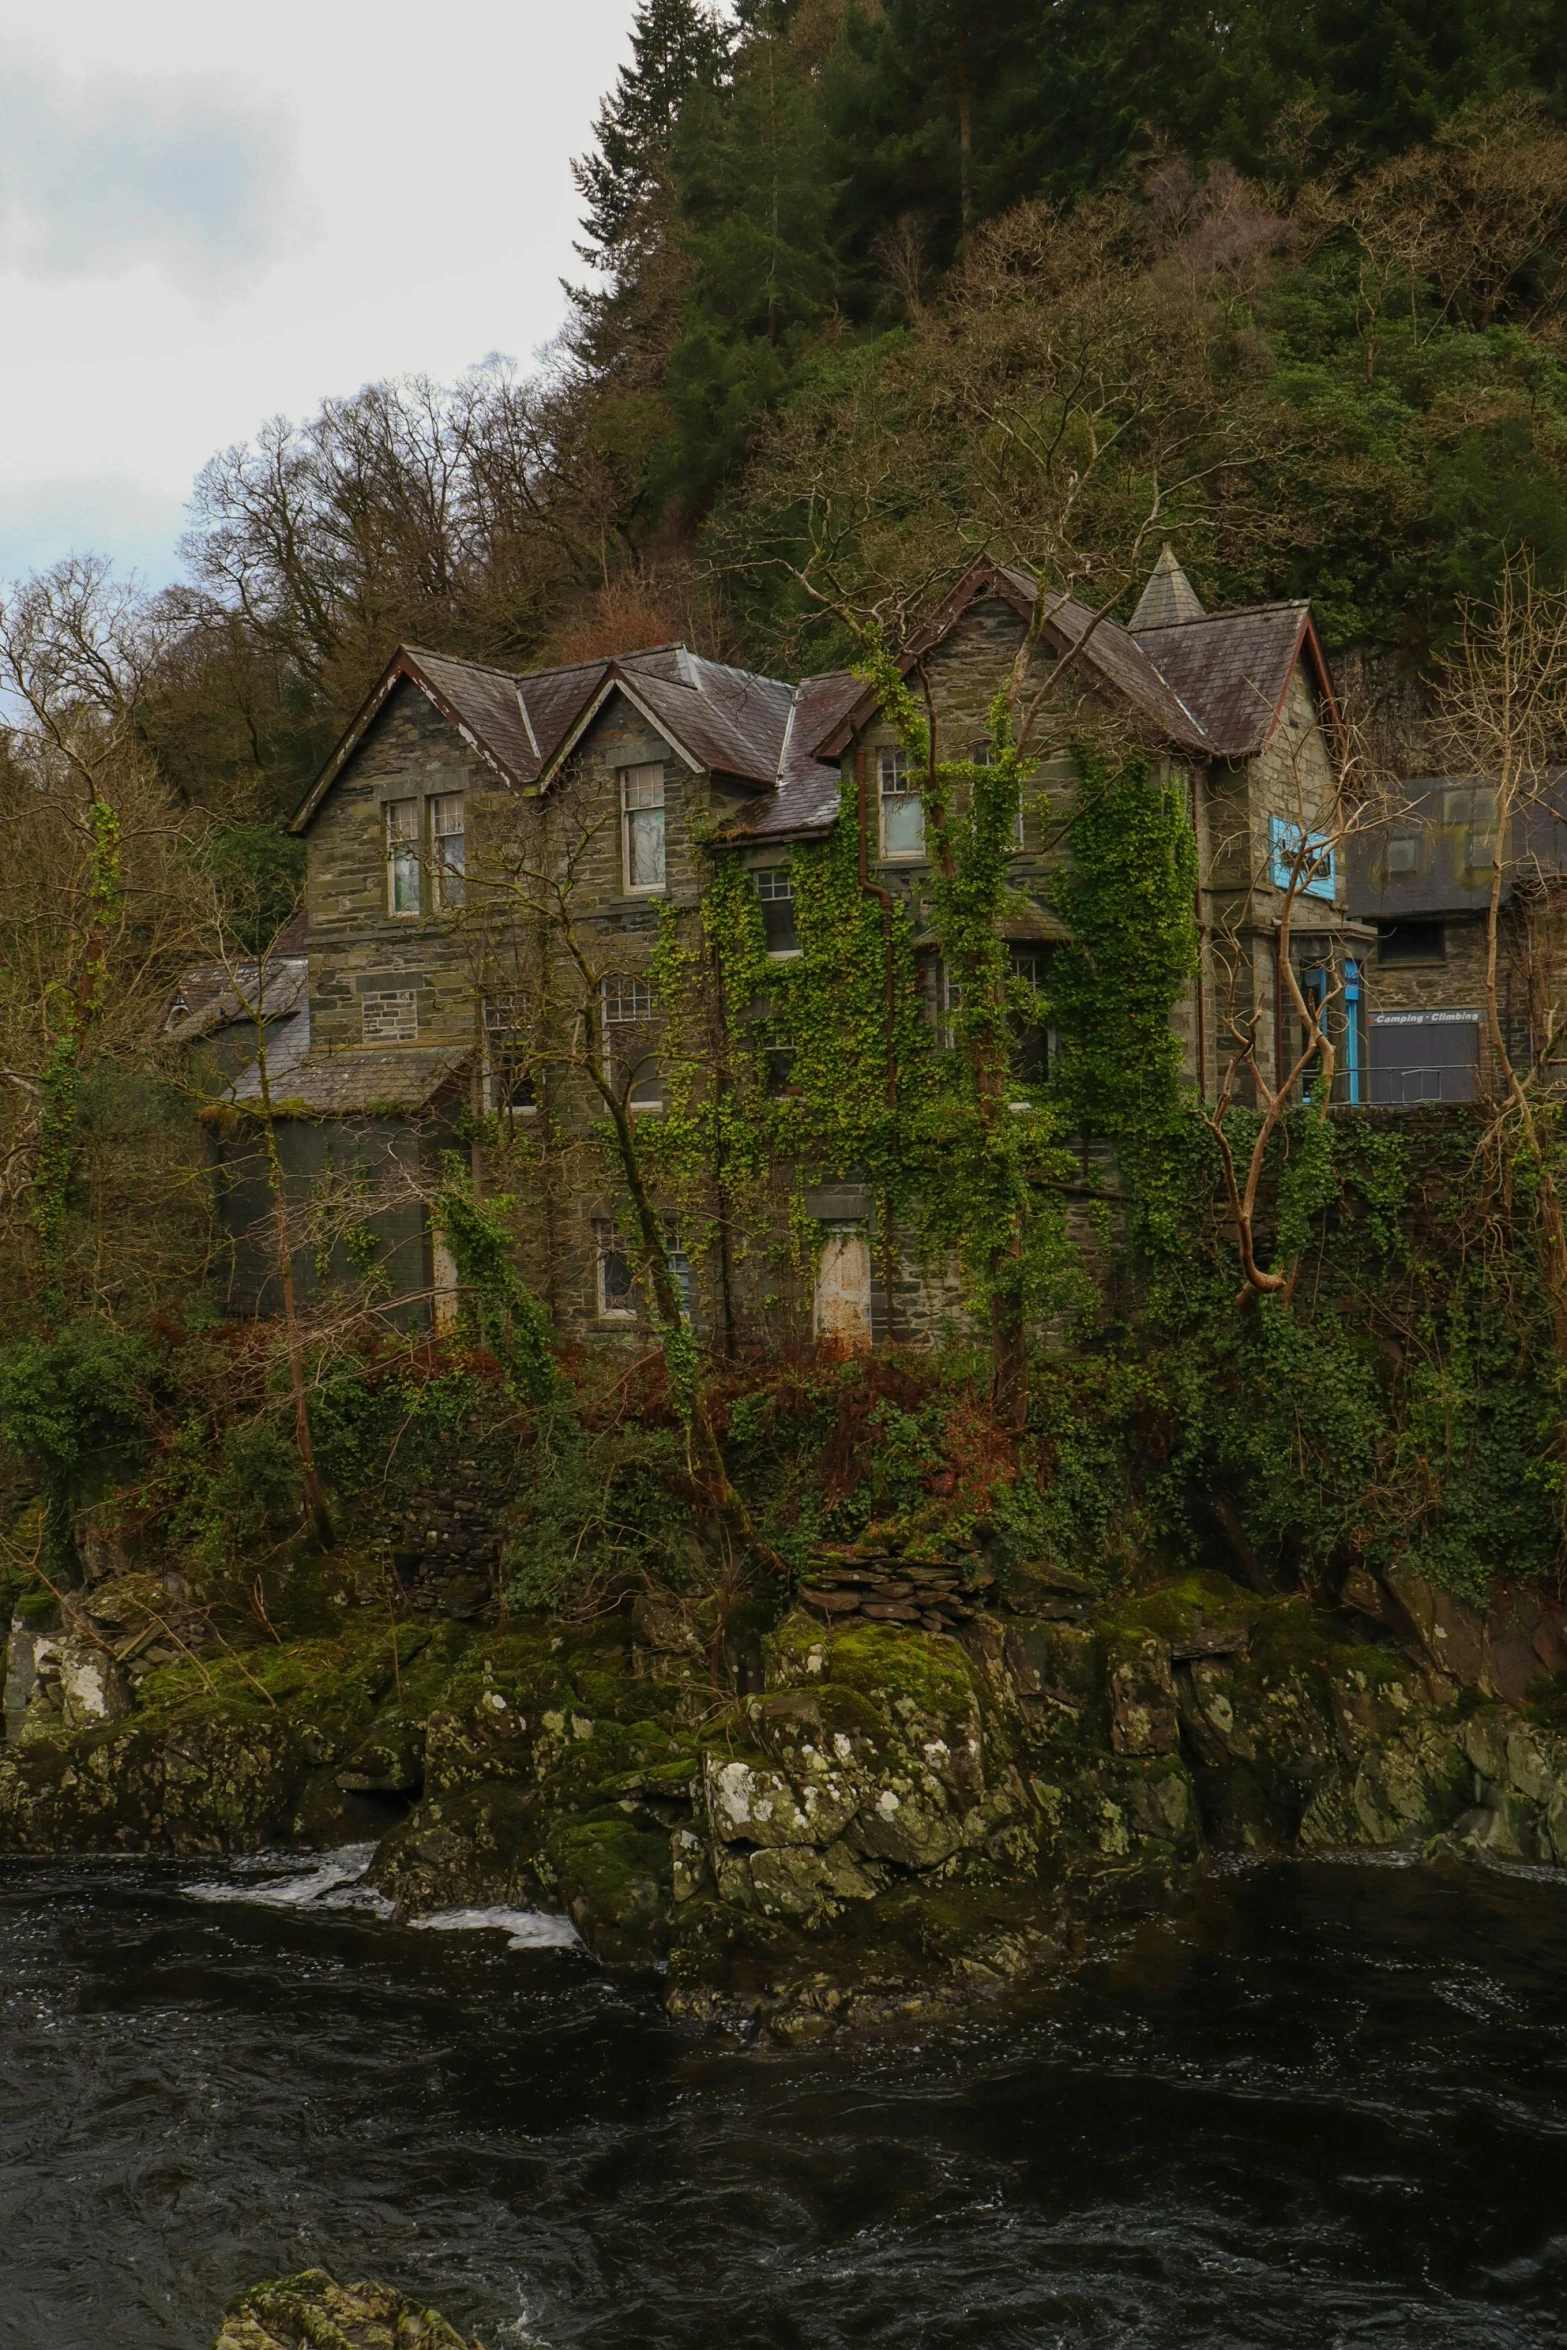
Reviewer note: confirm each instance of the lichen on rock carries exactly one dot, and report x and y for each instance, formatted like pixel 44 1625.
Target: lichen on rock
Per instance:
pixel 311 2311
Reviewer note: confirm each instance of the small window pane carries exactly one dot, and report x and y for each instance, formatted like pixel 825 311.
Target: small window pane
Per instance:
pixel 776 892
pixel 642 800
pixel 645 1093
pixel 902 819
pixel 508 1062
pixel 448 848
pixel 617 1300
pixel 1403 856
pixel 679 1268
pixel 402 855
pixel 627 998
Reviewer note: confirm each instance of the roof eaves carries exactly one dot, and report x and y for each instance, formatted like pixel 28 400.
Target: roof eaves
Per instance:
pixel 405 663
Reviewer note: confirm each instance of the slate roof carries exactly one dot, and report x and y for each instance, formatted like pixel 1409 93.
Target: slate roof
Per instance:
pixel 1211 684
pixel 1168 597
pixel 729 721
pixel 358 1078
pixel 1440 814
pixel 210 996
pixel 805 801
pixel 1231 669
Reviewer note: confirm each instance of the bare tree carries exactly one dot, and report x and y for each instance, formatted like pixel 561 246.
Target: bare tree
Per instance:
pixel 1285 1041
pixel 1501 718
pixel 542 882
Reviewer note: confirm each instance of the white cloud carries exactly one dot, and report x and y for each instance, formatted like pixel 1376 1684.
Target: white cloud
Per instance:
pixel 233 214
pixel 102 171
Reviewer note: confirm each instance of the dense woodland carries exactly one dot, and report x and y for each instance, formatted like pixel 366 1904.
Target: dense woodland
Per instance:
pixel 864 288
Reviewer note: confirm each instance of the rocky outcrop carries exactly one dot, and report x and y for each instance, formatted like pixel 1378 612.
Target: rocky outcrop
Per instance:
pixel 839 1817
pixel 311 2312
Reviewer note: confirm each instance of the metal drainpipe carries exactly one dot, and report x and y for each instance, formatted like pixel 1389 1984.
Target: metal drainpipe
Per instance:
pixel 875 889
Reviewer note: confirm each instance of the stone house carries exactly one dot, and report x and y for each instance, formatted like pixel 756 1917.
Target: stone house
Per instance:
pixel 1423 880
pixel 638 772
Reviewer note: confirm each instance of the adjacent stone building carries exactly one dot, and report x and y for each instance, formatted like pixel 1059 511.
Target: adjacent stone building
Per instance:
pixel 1424 879
pixel 463 796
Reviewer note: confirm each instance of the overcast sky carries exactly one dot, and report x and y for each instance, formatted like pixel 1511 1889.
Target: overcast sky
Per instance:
pixel 210 214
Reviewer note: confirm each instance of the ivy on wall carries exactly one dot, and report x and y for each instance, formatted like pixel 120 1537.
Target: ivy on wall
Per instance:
pixel 1129 898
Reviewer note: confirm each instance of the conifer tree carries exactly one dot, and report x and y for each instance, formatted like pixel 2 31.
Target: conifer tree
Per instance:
pixel 674 45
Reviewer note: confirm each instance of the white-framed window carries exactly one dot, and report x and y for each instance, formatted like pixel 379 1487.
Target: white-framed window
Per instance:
pixel 776 891
pixel 642 826
pixel 508 1066
pixel 448 849
pixel 630 1002
pixel 402 857
pixel 902 809
pixel 617 1299
pixel 627 998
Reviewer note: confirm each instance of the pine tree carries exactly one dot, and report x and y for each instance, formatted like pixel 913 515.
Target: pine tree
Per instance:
pixel 675 45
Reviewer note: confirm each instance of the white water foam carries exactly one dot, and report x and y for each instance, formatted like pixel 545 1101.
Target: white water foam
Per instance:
pixel 527 1929
pixel 331 1880
pixel 335 1880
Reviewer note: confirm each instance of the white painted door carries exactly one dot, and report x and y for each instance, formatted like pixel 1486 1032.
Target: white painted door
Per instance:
pixel 843 1289
pixel 445 1285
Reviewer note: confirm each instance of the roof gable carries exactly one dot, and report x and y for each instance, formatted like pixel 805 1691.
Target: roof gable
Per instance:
pixel 524 726
pixel 1108 653
pixel 1232 670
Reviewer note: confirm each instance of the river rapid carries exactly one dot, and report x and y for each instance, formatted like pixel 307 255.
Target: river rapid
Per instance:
pixel 1316 2105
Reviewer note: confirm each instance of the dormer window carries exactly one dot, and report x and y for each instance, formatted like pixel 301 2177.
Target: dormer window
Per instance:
pixel 902 809
pixel 642 825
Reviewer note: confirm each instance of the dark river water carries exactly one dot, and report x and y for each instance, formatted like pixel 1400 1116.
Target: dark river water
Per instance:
pixel 1320 2106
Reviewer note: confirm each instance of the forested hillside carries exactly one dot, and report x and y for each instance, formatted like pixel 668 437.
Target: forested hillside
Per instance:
pixel 865 287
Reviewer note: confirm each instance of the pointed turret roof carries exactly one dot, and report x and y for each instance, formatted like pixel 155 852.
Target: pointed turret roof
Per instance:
pixel 1169 598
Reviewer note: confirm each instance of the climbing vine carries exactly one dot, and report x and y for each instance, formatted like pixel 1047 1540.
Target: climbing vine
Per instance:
pixel 1128 898
pixel 506 1316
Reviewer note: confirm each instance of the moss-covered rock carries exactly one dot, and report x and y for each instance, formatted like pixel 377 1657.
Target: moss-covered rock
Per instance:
pixel 311 2312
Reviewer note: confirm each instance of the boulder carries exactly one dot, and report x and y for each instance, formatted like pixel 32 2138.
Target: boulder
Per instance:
pixel 311 2312
pixel 58 1681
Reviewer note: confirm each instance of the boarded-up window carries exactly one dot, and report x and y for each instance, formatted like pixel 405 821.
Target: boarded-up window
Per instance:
pixel 842 1309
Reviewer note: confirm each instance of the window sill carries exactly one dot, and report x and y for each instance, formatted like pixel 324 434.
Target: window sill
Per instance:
pixel 784 954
